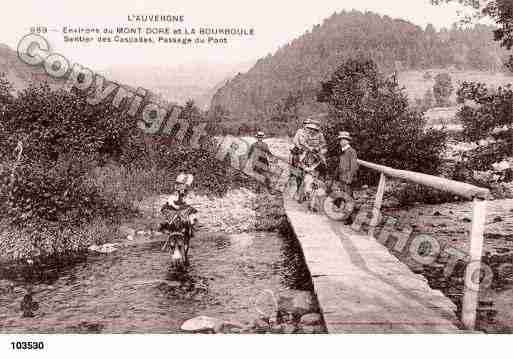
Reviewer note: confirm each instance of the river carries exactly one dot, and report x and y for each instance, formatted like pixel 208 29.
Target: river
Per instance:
pixel 133 290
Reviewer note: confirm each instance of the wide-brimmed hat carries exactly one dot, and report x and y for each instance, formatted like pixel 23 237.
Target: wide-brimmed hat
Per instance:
pixel 313 125
pixel 260 134
pixel 185 179
pixel 344 134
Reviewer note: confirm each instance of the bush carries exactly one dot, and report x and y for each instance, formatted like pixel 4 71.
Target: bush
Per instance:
pixel 489 117
pixel 412 193
pixel 442 89
pixel 375 111
pixel 56 122
pixel 58 194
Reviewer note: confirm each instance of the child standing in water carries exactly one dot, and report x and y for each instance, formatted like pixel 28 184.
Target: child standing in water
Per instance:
pixel 177 201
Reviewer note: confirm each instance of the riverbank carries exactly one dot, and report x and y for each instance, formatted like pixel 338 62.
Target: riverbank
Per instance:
pixel 239 281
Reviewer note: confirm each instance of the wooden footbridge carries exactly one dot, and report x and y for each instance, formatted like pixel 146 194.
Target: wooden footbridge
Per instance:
pixel 362 288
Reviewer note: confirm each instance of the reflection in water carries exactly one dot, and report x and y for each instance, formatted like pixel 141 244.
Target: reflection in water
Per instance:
pixel 134 290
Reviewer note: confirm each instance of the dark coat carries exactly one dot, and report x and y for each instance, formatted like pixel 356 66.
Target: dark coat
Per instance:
pixel 347 166
pixel 263 152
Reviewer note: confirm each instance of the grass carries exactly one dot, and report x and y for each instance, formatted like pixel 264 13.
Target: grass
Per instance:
pixel 416 86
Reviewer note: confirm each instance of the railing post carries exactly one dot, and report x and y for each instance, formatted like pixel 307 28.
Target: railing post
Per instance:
pixel 376 210
pixel 471 294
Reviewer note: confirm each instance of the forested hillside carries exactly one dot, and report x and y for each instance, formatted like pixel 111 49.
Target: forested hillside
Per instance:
pixel 293 74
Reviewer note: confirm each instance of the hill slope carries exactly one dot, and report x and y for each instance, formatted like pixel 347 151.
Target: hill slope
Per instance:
pixel 297 68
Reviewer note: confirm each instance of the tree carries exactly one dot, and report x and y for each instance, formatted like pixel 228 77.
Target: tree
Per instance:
pixel 479 58
pixel 501 11
pixel 6 90
pixel 428 99
pixel 6 99
pixel 375 110
pixel 442 89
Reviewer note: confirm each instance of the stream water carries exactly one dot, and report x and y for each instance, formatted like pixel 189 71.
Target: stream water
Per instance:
pixel 134 291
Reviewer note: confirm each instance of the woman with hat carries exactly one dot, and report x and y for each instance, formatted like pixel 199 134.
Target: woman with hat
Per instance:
pixel 310 137
pixel 177 201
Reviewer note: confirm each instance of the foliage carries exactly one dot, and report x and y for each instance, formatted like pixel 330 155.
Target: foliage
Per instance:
pixel 501 11
pixel 442 89
pixel 299 66
pixel 375 111
pixel 56 194
pixel 6 90
pixel 52 123
pixel 412 193
pixel 428 100
pixel 490 116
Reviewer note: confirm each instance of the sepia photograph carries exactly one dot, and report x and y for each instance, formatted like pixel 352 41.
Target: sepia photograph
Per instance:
pixel 304 170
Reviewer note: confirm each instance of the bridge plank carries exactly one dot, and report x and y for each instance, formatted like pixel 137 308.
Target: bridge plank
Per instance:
pixel 360 286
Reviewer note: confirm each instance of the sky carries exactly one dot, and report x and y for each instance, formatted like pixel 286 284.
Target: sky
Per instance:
pixel 275 23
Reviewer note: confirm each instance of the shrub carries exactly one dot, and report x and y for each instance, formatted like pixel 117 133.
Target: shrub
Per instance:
pixel 489 117
pixel 56 122
pixel 58 194
pixel 442 89
pixel 412 193
pixel 375 111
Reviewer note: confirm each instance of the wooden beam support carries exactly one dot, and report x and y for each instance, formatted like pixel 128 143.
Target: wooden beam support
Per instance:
pixel 459 188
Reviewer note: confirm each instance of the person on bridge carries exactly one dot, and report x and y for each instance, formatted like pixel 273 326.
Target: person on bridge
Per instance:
pixel 261 156
pixel 310 138
pixel 347 165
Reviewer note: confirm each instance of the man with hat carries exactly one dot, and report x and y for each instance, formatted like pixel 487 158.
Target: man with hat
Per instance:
pixel 261 156
pixel 347 165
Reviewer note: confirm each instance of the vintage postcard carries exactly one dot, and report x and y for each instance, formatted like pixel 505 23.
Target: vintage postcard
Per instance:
pixel 237 167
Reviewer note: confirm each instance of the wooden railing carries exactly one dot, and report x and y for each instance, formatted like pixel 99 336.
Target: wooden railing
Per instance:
pixel 476 194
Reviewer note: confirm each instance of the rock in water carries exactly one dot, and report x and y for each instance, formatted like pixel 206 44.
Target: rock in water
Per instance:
pixel 303 303
pixel 307 329
pixel 104 248
pixel 312 329
pixel 201 324
pixel 311 319
pixel 126 231
pixel 260 325
pixel 289 328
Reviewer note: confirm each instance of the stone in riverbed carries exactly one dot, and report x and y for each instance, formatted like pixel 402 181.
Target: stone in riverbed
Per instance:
pixel 104 248
pixel 277 328
pixel 202 324
pixel 303 302
pixel 300 303
pixel 289 329
pixel 126 231
pixel 311 319
pixel 312 329
pixel 260 325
